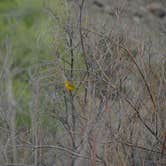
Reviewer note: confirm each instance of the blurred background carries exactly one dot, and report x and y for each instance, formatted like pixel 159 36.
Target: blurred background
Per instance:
pixel 113 52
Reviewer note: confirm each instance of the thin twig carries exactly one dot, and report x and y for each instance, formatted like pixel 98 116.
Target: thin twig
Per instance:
pixel 142 75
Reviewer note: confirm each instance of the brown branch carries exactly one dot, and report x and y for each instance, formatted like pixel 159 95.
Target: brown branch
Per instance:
pixel 142 75
pixel 140 118
pixel 163 148
pixel 139 147
pixel 81 34
pixel 74 153
pixel 83 46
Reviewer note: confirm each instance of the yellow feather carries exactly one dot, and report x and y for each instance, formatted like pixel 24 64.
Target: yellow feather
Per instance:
pixel 69 86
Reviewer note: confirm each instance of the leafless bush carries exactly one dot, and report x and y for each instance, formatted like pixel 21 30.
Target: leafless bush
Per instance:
pixel 114 117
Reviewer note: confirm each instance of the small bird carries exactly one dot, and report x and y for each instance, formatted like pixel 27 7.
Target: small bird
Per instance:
pixel 69 86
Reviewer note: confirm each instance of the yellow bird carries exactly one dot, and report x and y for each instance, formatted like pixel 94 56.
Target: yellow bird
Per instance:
pixel 69 86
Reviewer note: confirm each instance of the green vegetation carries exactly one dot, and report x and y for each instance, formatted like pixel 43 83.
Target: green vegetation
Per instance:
pixel 25 27
pixel 113 114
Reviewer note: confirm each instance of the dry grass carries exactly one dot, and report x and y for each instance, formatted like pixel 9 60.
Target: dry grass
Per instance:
pixel 116 115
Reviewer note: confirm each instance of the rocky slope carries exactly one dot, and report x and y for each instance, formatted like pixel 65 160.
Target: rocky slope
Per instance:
pixel 142 21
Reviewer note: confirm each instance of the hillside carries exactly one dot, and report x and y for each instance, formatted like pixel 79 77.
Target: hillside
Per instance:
pixel 82 82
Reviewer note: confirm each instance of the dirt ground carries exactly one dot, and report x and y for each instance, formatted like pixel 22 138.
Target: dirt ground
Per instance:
pixel 140 20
